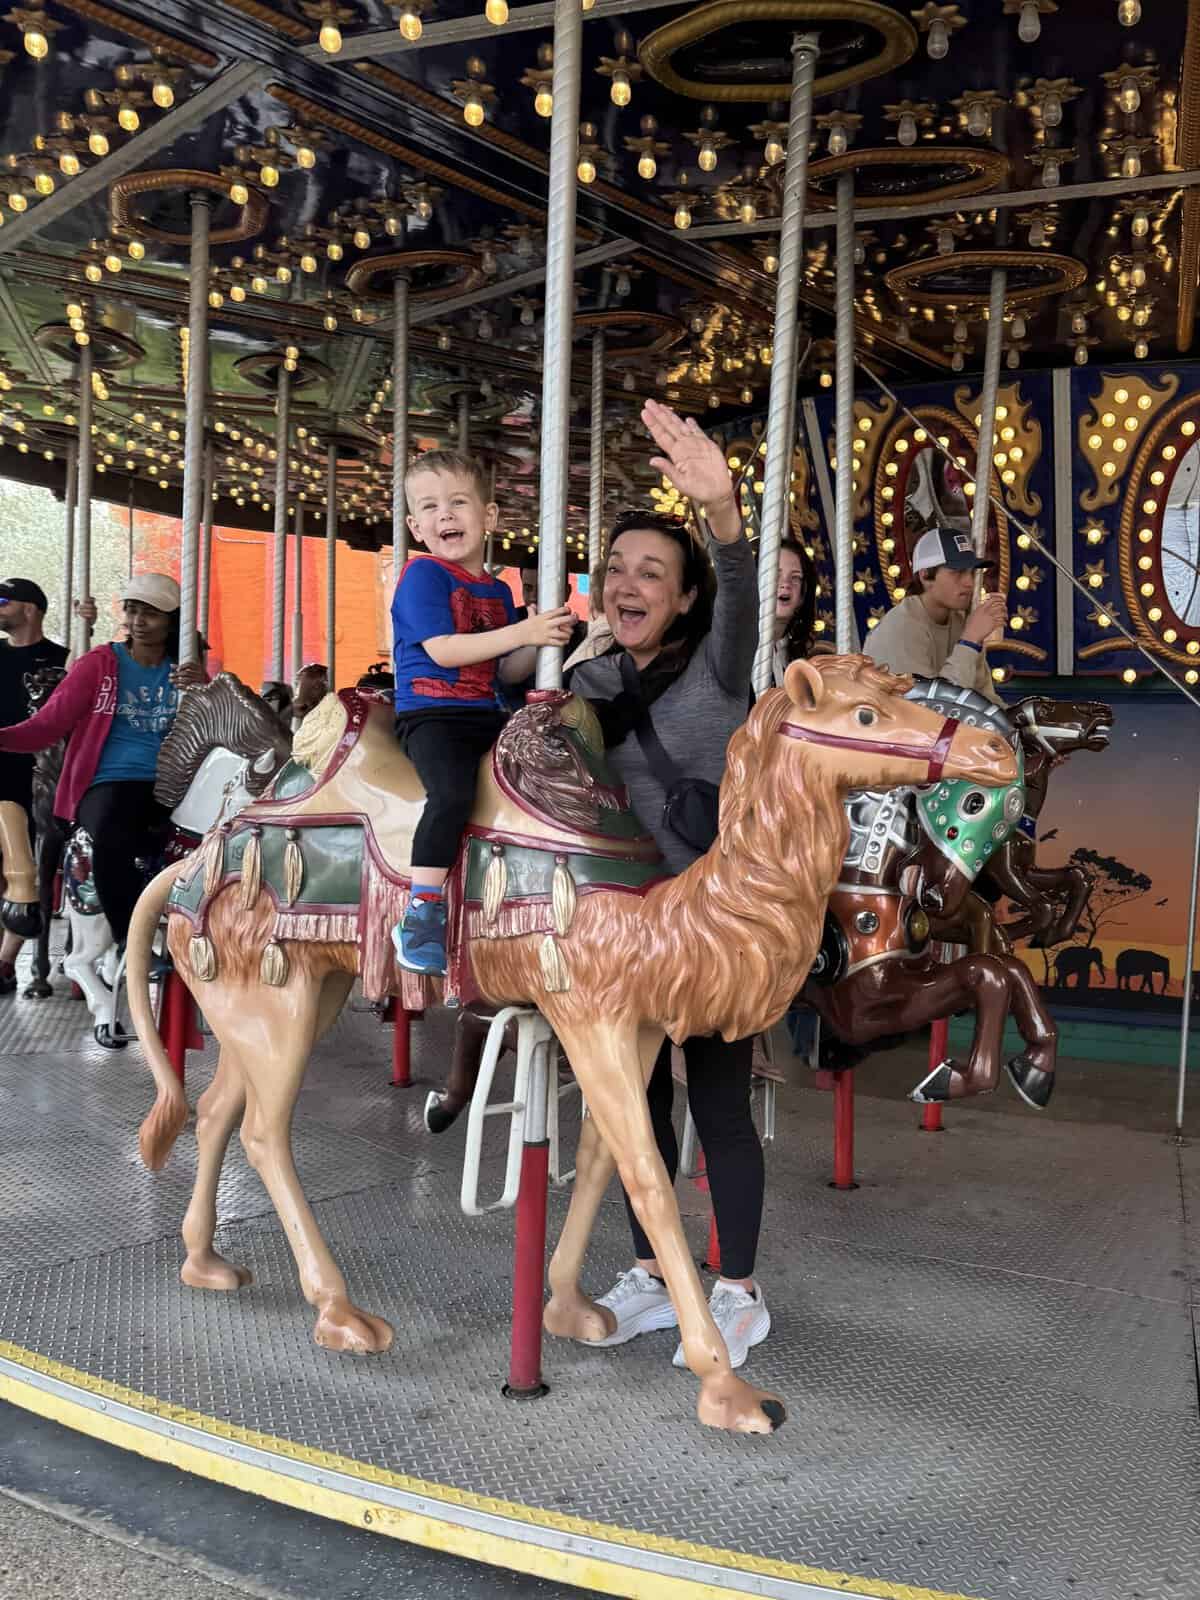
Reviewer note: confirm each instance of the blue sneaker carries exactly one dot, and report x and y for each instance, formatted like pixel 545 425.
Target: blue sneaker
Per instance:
pixel 420 940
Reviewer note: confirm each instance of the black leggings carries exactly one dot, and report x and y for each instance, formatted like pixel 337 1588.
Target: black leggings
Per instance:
pixel 446 748
pixel 126 822
pixel 718 1077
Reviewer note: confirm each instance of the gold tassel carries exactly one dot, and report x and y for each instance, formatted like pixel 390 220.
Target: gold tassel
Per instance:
pixel 202 958
pixel 214 862
pixel 555 974
pixel 562 896
pixel 273 969
pixel 293 867
pixel 251 870
pixel 495 885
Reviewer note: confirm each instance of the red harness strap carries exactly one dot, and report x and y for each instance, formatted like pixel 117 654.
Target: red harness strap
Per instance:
pixel 936 757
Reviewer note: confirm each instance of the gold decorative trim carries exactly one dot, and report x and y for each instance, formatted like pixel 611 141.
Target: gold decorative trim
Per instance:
pixel 663 332
pixel 1092 426
pixel 1018 647
pixel 656 51
pixel 904 280
pixel 1134 511
pixel 120 22
pixel 1027 438
pixel 360 280
pixel 1102 647
pixel 1189 154
pixel 990 170
pixel 262 370
pixel 125 190
pixel 111 351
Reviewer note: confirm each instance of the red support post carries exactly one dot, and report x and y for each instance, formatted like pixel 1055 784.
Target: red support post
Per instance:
pixel 843 1131
pixel 939 1037
pixel 176 1023
pixel 529 1275
pixel 401 1047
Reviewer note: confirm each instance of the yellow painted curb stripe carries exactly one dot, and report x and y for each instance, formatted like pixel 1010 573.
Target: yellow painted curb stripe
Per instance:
pixel 428 1530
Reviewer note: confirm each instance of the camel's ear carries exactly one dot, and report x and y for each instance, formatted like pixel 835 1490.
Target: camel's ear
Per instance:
pixel 804 685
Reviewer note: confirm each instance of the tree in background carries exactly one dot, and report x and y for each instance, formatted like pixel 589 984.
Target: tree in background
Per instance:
pixel 34 530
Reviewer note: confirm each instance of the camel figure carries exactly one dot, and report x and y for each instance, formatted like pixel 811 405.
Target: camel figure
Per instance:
pixel 558 901
pixel 20 911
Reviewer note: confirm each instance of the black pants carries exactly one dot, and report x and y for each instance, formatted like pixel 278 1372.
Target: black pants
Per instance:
pixel 446 748
pixel 126 823
pixel 719 1096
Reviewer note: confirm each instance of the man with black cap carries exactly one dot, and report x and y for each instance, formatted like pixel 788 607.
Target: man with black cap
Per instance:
pixel 22 612
pixel 935 633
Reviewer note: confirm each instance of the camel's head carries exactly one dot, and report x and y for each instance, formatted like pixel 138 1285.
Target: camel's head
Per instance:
pixel 856 724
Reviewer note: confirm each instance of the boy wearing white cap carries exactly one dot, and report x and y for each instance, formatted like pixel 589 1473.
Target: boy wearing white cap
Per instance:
pixel 935 633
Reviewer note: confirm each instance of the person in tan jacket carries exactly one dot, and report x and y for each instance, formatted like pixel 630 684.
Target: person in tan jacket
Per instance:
pixel 936 633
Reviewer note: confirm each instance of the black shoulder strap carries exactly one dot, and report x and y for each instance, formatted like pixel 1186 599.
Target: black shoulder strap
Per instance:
pixel 657 759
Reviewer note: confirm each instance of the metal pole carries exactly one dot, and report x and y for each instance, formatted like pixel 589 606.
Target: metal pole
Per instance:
pixel 985 449
pixel 298 594
pixel 781 412
pixel 279 571
pixel 206 538
pixel 464 421
pixel 1189 968
pixel 399 423
pixel 193 434
pixel 489 548
pixel 68 568
pixel 843 555
pixel 331 524
pixel 596 458
pixel 560 308
pixel 129 535
pixel 83 503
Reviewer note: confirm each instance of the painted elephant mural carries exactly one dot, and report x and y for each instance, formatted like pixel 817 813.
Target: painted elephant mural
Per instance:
pixel 1145 966
pixel 1073 967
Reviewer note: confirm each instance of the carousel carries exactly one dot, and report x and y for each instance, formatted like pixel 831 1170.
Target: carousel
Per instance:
pixel 905 266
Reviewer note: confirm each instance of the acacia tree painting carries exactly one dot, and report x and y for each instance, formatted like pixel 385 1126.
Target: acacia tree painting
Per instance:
pixel 1114 886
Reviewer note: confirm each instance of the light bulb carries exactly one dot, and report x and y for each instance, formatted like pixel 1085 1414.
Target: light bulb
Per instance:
pixel 945 241
pixel 748 211
pixel 1131 164
pixel 1137 275
pixel 683 216
pixel 237 293
pixel 707 158
pixel 330 38
pixel 1081 355
pixel 290 365
pixel 473 111
pixel 647 167
pixel 938 42
pixel 43 183
pixel 1051 173
pixel 496 11
pixel 308 262
pixel 527 316
pixel 306 157
pixel 112 262
pixel 1018 326
pixel 97 143
pixel 1013 359
pixel 330 322
pixel 410 25
pixel 960 331
pixel 838 143
pixel 283 274
pixel 334 250
pixel 1141 316
pixel 860 252
pixel 162 94
pixel 74 309
pixel 424 210
pixel 1141 349
pixel 238 192
pixel 68 164
pixel 1140 226
pixel 17 201
pixel 770 263
pixel 92 272
pixel 443 341
pixel 621 91
pixel 623 285
pixel 259 284
pixel 128 118
pixel 956 361
pixel 586 170
pixel 1029 27
pixel 393 225
pixel 773 151
pixel 216 299
pixel 906 133
pixel 979 119
pixel 1129 13
pixel 543 102
pixel 36 43
pixel 362 239
pixel 292 352
pixel 1129 96
pixel 1052 110
pixel 268 176
pixel 83 337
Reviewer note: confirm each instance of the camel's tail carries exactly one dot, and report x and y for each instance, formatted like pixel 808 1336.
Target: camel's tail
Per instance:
pixel 169 1112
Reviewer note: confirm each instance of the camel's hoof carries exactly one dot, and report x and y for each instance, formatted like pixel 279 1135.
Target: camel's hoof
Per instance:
pixel 113 1038
pixel 727 1401
pixel 578 1318
pixel 1033 1085
pixel 437 1118
pixel 342 1326
pixel 39 989
pixel 211 1271
pixel 22 917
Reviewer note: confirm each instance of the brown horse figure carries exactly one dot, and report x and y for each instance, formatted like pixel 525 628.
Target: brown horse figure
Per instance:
pixel 557 901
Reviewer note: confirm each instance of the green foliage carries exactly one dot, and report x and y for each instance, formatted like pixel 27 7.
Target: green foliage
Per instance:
pixel 32 535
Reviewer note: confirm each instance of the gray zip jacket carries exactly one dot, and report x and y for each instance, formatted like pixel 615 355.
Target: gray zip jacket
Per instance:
pixel 696 716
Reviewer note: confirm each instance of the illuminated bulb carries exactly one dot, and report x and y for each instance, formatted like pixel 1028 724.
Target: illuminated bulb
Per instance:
pixel 748 212
pixel 362 239
pixel 1137 275
pixel 938 42
pixel 979 119
pixel 68 164
pixel 410 25
pixel 97 143
pixel 957 362
pixel 960 331
pixel 473 111
pixel 1140 226
pixel 238 192
pixel 331 322
pixel 306 157
pixel 826 380
pixel 330 38
pixel 683 216
pixel 1079 323
pixel 92 272
pixel 443 341
pixel 268 176
pixel 1029 27
pixel 83 337
pixel 543 102
pixel 36 43
pixel 1141 349
pixel 334 250
pixel 112 262
pixel 647 167
pixel 1051 173
pixel 1129 96
pixel 1037 231
pixel 621 91
pixel 1131 164
pixel 162 94
pixel 283 274
pixel 258 283
pixel 945 242
pixel 707 158
pixel 128 118
pixel 1129 13
pixel 237 293
pixel 43 183
pixel 527 316
pixel 906 132
pixel 496 11
pixel 838 143
pixel 216 299
pixel 393 225
pixel 1052 110
pixel 771 262
pixel 586 170
pixel 773 151
pixel 136 249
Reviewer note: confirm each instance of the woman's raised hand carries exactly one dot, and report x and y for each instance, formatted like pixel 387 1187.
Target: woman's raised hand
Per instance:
pixel 695 464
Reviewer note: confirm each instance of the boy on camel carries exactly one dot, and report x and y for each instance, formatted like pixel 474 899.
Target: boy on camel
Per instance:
pixel 454 629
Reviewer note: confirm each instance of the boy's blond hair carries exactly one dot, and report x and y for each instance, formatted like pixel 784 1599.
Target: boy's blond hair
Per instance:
pixel 457 462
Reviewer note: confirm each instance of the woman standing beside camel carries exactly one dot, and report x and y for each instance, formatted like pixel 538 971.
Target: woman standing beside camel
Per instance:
pixel 669 693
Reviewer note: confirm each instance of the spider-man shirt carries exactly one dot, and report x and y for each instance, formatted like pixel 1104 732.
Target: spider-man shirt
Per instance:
pixel 434 598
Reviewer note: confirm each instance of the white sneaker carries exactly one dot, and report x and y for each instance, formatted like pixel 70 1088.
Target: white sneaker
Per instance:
pixel 640 1303
pixel 742 1320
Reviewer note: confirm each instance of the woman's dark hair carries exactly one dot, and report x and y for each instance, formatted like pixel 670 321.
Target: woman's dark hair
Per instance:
pixel 688 630
pixel 798 636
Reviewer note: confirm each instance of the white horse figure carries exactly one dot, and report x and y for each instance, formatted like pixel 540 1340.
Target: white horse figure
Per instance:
pixel 224 748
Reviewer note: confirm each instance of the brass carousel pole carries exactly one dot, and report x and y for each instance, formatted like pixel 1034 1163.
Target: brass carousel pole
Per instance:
pixel 204 594
pixel 399 422
pixel 596 456
pixel 193 428
pixel 279 570
pixel 68 567
pixel 781 412
pixel 843 564
pixel 986 448
pixel 83 504
pixel 331 525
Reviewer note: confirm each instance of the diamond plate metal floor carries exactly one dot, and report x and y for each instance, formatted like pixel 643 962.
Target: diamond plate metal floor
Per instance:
pixel 987 1350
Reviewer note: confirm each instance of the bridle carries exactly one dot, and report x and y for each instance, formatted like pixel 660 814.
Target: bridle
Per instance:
pixel 936 756
pixel 1046 732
